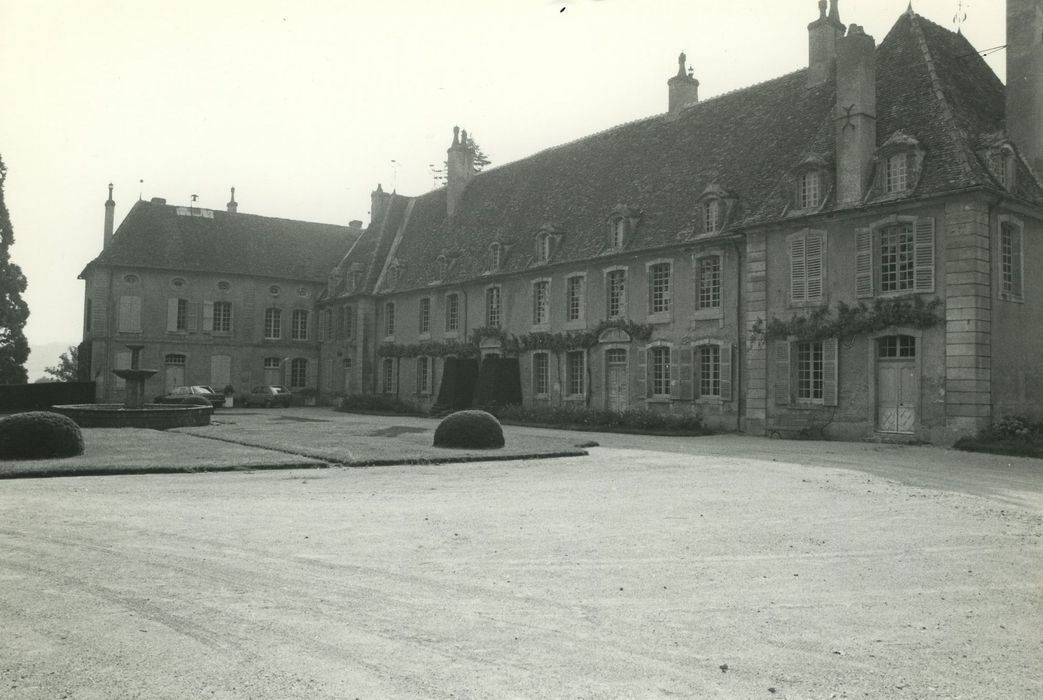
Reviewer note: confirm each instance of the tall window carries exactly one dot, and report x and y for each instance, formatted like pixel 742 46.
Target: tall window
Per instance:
pixel 327 322
pixel 708 270
pixel 389 318
pixel 423 375
pixel 272 324
pixel 615 284
pixel 809 190
pixel 659 360
pixel 659 288
pixel 349 321
pixel 575 372
pixel 452 312
pixel 710 370
pixel 540 302
pixel 298 373
pixel 424 315
pixel 896 173
pixel 540 373
pixel 574 298
pixel 1010 262
pixel 181 318
pixel 492 307
pixel 810 374
pixel 222 317
pixel 300 324
pixel 711 215
pixel 387 375
pixel 897 265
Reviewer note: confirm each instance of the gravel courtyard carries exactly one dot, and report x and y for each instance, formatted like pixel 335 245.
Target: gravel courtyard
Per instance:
pixel 683 571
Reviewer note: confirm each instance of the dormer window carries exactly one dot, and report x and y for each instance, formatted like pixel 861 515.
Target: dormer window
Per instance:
pixel 896 173
pixel 543 247
pixel 394 273
pixel 1002 164
pixel 809 189
pixel 617 229
pixel 443 266
pixel 712 215
pixel 496 251
pixel 898 165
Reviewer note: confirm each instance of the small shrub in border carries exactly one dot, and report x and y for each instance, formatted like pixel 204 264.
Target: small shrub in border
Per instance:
pixel 569 416
pixel 469 429
pixel 377 403
pixel 39 435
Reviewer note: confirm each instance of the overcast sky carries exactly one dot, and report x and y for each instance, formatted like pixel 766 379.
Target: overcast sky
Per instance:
pixel 304 105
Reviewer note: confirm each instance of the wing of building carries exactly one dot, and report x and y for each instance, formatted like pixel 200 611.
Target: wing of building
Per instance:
pixel 840 249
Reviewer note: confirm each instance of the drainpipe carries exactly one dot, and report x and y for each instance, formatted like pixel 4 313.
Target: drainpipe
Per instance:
pixel 740 340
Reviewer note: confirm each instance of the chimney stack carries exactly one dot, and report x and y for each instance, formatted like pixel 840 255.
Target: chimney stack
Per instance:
pixel 855 113
pixel 823 36
pixel 459 169
pixel 233 206
pixel 683 88
pixel 378 204
pixel 1025 79
pixel 110 217
pixel 355 225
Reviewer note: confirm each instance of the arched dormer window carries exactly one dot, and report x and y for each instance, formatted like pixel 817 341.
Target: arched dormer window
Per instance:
pixel 714 208
pixel 810 184
pixel 711 211
pixel 496 253
pixel 394 273
pixel 621 223
pixel 442 261
pixel 617 232
pixel 899 163
pixel 543 246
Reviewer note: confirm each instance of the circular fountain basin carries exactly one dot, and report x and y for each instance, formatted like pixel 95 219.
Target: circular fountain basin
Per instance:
pixel 152 415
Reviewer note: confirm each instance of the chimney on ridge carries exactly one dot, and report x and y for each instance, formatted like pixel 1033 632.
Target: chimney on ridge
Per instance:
pixel 1025 79
pixel 233 206
pixel 110 217
pixel 823 36
pixel 683 88
pixel 855 113
pixel 378 204
pixel 459 169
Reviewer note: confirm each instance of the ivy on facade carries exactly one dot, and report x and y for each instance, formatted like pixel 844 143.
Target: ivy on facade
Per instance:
pixel 848 321
pixel 511 343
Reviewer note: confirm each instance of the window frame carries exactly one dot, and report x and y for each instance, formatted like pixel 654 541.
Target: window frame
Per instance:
pixel 423 375
pixel 659 379
pixel 389 319
pixel 804 199
pixel 712 215
pixel 576 299
pixel 387 376
pixel 540 374
pixel 622 300
pixel 222 319
pixel 272 323
pixel 575 374
pixel 1011 281
pixel 809 380
pixel 540 303
pixel 423 315
pixel 299 322
pixel 452 313
pixel 494 306
pixel 896 173
pixel 705 308
pixel 801 260
pixel 665 293
pixel 299 371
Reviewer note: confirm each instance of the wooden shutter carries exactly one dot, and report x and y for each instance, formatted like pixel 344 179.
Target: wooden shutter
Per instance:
pixel 686 380
pixel 830 374
pixel 231 317
pixel 171 315
pixel 797 270
pixel 782 372
pixel 726 371
pixel 864 263
pixel 813 266
pixel 923 254
pixel 130 315
pixel 208 316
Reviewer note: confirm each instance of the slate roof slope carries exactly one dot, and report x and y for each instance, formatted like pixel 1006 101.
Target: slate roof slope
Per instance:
pixel 931 84
pixel 370 252
pixel 154 235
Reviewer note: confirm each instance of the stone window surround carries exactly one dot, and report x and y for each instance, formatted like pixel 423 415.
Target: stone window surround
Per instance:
pixel 722 346
pixel 1018 297
pixel 650 395
pixel 581 321
pixel 709 313
pixel 666 315
pixel 623 302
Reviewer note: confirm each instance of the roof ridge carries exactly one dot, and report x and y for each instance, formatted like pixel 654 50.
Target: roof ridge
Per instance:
pixel 939 92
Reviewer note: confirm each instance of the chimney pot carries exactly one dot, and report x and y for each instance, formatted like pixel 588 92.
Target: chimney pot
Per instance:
pixel 355 224
pixel 110 218
pixel 233 206
pixel 683 88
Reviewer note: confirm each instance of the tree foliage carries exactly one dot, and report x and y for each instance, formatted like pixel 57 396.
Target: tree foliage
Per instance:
pixel 65 370
pixel 14 348
pixel 477 154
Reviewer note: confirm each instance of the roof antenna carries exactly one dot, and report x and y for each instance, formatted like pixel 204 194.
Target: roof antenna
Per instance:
pixel 141 184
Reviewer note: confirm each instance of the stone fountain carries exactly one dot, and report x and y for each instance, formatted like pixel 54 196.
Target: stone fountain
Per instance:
pixel 134 412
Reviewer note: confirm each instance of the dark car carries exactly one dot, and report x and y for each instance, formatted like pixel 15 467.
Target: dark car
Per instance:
pixel 268 396
pixel 180 393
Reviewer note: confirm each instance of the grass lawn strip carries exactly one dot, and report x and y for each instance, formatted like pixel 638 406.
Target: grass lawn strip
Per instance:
pixel 140 451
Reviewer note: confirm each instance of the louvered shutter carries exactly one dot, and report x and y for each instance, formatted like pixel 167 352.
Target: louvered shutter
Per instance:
pixel 923 254
pixel 726 371
pixel 208 316
pixel 686 374
pixel 864 263
pixel 813 266
pixel 130 315
pixel 797 270
pixel 231 317
pixel 171 315
pixel 310 379
pixel 782 372
pixel 830 373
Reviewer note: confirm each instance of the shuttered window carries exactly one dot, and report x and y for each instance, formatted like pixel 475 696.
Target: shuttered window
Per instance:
pixel 897 258
pixel 423 375
pixel 806 372
pixel 659 372
pixel 807 263
pixel 576 371
pixel 299 324
pixel 222 317
pixel 298 373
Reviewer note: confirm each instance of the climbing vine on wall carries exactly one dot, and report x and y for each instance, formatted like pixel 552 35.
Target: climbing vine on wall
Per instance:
pixel 848 320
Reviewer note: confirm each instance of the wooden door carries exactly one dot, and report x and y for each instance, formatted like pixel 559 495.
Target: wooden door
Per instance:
pixel 898 391
pixel 617 395
pixel 175 376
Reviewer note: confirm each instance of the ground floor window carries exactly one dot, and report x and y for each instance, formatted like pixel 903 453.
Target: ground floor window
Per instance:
pixel 423 375
pixel 576 372
pixel 710 371
pixel 298 373
pixel 387 375
pixel 896 346
pixel 540 373
pixel 659 363
pixel 810 372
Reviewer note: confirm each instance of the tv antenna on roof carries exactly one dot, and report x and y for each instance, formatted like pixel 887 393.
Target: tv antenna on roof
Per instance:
pixel 394 182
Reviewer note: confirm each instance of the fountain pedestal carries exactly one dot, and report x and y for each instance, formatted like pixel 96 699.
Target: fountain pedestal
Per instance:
pixel 135 378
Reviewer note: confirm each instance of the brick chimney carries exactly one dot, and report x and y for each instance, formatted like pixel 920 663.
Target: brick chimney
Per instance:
pixel 459 169
pixel 683 88
pixel 855 113
pixel 823 35
pixel 233 206
pixel 378 204
pixel 110 218
pixel 1025 79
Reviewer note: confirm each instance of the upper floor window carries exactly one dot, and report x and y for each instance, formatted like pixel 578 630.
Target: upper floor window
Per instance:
pixel 224 285
pixel 177 315
pixel 178 282
pixel 708 282
pixel 809 189
pixel 327 323
pixel 806 265
pixel 895 256
pixel 615 291
pixel 540 302
pixel 131 279
pixel 452 312
pixel 389 318
pixel 299 324
pixel 303 291
pixel 274 290
pixel 222 317
pixel 443 266
pixel 711 215
pixel 272 324
pixel 659 288
pixel 574 298
pixel 492 307
pixel 1003 166
pixel 896 173
pixel 496 251
pixel 424 316
pixel 348 322
pixel 1011 285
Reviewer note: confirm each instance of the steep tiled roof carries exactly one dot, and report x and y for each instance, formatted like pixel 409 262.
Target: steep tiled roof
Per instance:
pixel 155 235
pixel 369 254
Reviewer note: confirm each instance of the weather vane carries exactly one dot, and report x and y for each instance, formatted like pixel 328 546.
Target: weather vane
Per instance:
pixel 960 17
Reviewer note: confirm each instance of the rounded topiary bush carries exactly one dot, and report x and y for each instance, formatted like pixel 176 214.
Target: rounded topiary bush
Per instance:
pixel 38 435
pixel 469 429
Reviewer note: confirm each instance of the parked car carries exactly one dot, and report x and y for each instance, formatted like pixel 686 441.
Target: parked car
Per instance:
pixel 180 393
pixel 268 396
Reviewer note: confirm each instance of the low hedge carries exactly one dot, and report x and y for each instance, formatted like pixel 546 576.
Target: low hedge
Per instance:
pixel 377 403
pixel 39 435
pixel 1016 436
pixel 583 418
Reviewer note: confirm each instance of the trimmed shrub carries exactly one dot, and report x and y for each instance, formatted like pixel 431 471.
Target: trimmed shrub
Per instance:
pixel 469 429
pixel 39 435
pixel 377 403
pixel 583 418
